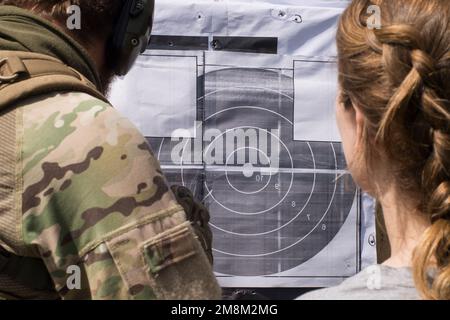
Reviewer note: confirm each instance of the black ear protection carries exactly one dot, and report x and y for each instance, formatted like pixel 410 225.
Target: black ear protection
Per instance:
pixel 131 34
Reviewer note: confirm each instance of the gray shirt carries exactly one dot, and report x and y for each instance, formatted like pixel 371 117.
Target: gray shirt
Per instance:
pixel 374 283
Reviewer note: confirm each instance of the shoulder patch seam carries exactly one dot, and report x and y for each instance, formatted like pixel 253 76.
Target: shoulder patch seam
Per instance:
pixel 149 219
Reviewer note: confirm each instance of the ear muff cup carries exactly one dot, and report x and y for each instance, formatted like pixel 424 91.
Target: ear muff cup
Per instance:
pixel 131 34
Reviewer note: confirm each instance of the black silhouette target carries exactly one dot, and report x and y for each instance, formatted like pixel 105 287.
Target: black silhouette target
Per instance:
pixel 275 203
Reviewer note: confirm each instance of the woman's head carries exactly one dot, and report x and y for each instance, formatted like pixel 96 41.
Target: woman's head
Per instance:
pixel 394 114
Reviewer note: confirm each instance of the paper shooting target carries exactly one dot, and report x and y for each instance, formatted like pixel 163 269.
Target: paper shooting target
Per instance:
pixel 275 203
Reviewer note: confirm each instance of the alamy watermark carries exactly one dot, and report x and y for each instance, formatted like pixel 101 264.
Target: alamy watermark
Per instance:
pixel 244 146
pixel 374 20
pixel 374 277
pixel 74 20
pixel 73 281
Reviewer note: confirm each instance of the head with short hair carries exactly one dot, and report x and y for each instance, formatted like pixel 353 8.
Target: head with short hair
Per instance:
pixel 398 79
pixel 98 17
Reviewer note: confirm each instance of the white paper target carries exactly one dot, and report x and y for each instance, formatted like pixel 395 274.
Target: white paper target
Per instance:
pixel 275 202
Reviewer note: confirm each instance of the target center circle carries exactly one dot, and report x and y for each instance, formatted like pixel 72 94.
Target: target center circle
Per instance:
pixel 211 193
pixel 248 170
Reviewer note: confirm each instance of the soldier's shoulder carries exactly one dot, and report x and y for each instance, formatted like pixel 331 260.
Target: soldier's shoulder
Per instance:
pixel 61 102
pixel 77 149
pixel 76 130
pixel 59 116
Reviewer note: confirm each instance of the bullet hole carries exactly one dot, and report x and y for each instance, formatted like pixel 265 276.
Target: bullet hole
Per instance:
pixel 216 45
pixel 297 18
pixel 372 240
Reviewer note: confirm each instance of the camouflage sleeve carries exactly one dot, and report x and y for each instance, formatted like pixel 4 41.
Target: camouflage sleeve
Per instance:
pixel 95 203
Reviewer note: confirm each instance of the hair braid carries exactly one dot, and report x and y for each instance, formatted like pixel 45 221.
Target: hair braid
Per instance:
pixel 401 47
pixel 435 184
pixel 399 76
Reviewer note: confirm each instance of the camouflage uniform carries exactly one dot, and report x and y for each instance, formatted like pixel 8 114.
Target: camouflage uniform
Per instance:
pixel 80 187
